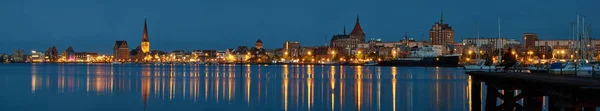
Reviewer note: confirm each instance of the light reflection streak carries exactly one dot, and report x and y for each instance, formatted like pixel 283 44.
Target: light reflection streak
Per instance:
pixel 359 87
pixel 309 84
pixel 219 84
pixel 248 87
pixel 332 82
pixel 469 85
pixel 285 90
pixel 33 78
pixel 394 88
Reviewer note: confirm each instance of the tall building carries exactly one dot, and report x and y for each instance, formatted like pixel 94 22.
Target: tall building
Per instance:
pixel 52 54
pixel 37 57
pixel 145 42
pixel 343 42
pixel 529 40
pixel 357 32
pixel 68 55
pixel 18 56
pixel 121 51
pixel 291 49
pixel 258 44
pixel 441 34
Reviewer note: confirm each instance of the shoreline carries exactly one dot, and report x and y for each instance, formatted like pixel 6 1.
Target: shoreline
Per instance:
pixel 225 64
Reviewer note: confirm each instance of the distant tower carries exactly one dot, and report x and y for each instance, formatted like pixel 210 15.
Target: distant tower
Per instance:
pixel 145 42
pixel 357 32
pixel 259 44
pixel 441 33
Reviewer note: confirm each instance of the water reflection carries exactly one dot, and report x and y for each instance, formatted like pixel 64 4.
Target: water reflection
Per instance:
pixel 276 87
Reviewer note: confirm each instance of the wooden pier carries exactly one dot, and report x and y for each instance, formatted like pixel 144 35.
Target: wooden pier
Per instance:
pixel 569 93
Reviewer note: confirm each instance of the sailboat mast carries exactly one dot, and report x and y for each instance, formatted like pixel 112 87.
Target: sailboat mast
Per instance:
pixel 477 40
pixel 578 36
pixel 499 49
pixel 583 45
pixel 572 39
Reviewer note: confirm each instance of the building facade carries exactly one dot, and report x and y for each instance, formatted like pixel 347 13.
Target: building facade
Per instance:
pixel 345 42
pixel 121 51
pixel 357 32
pixel 68 55
pixel 441 34
pixel 37 57
pixel 529 40
pixel 291 49
pixel 258 44
pixel 85 56
pixel 18 56
pixel 52 54
pixel 493 42
pixel 145 41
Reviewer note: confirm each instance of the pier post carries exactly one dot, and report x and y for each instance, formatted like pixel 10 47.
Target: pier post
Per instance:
pixel 532 102
pixel 509 100
pixel 476 94
pixel 491 98
pixel 552 105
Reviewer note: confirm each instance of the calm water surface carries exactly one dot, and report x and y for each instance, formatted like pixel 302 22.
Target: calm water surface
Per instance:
pixel 231 87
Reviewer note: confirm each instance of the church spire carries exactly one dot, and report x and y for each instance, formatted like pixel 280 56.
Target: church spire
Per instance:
pixel 442 17
pixel 357 20
pixel 344 29
pixel 145 34
pixel 145 46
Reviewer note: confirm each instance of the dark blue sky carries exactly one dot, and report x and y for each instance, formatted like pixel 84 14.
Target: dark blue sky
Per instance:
pixel 94 25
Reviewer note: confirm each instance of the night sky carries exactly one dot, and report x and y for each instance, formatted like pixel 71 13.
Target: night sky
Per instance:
pixel 94 25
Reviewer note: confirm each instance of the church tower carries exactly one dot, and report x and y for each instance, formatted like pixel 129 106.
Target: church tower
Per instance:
pixel 145 42
pixel 357 32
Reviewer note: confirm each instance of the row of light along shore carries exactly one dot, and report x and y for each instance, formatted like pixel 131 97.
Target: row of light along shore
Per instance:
pixel 351 49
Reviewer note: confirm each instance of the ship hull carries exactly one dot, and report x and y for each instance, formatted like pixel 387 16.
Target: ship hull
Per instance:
pixel 442 61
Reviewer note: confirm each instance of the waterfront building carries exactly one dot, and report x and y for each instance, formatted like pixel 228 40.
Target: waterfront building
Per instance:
pixel 210 54
pixel 345 42
pixel 441 33
pixel 85 56
pixel 373 43
pixel 559 48
pixel 491 42
pixel 68 55
pixel 258 44
pixel 4 58
pixel 529 40
pixel 178 55
pixel 157 55
pixel 18 56
pixel 291 49
pixel 52 54
pixel 37 57
pixel 357 32
pixel 137 54
pixel 390 48
pixel 145 42
pixel 121 51
pixel 459 48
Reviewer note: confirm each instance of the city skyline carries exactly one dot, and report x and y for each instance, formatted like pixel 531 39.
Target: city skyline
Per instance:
pixel 94 26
